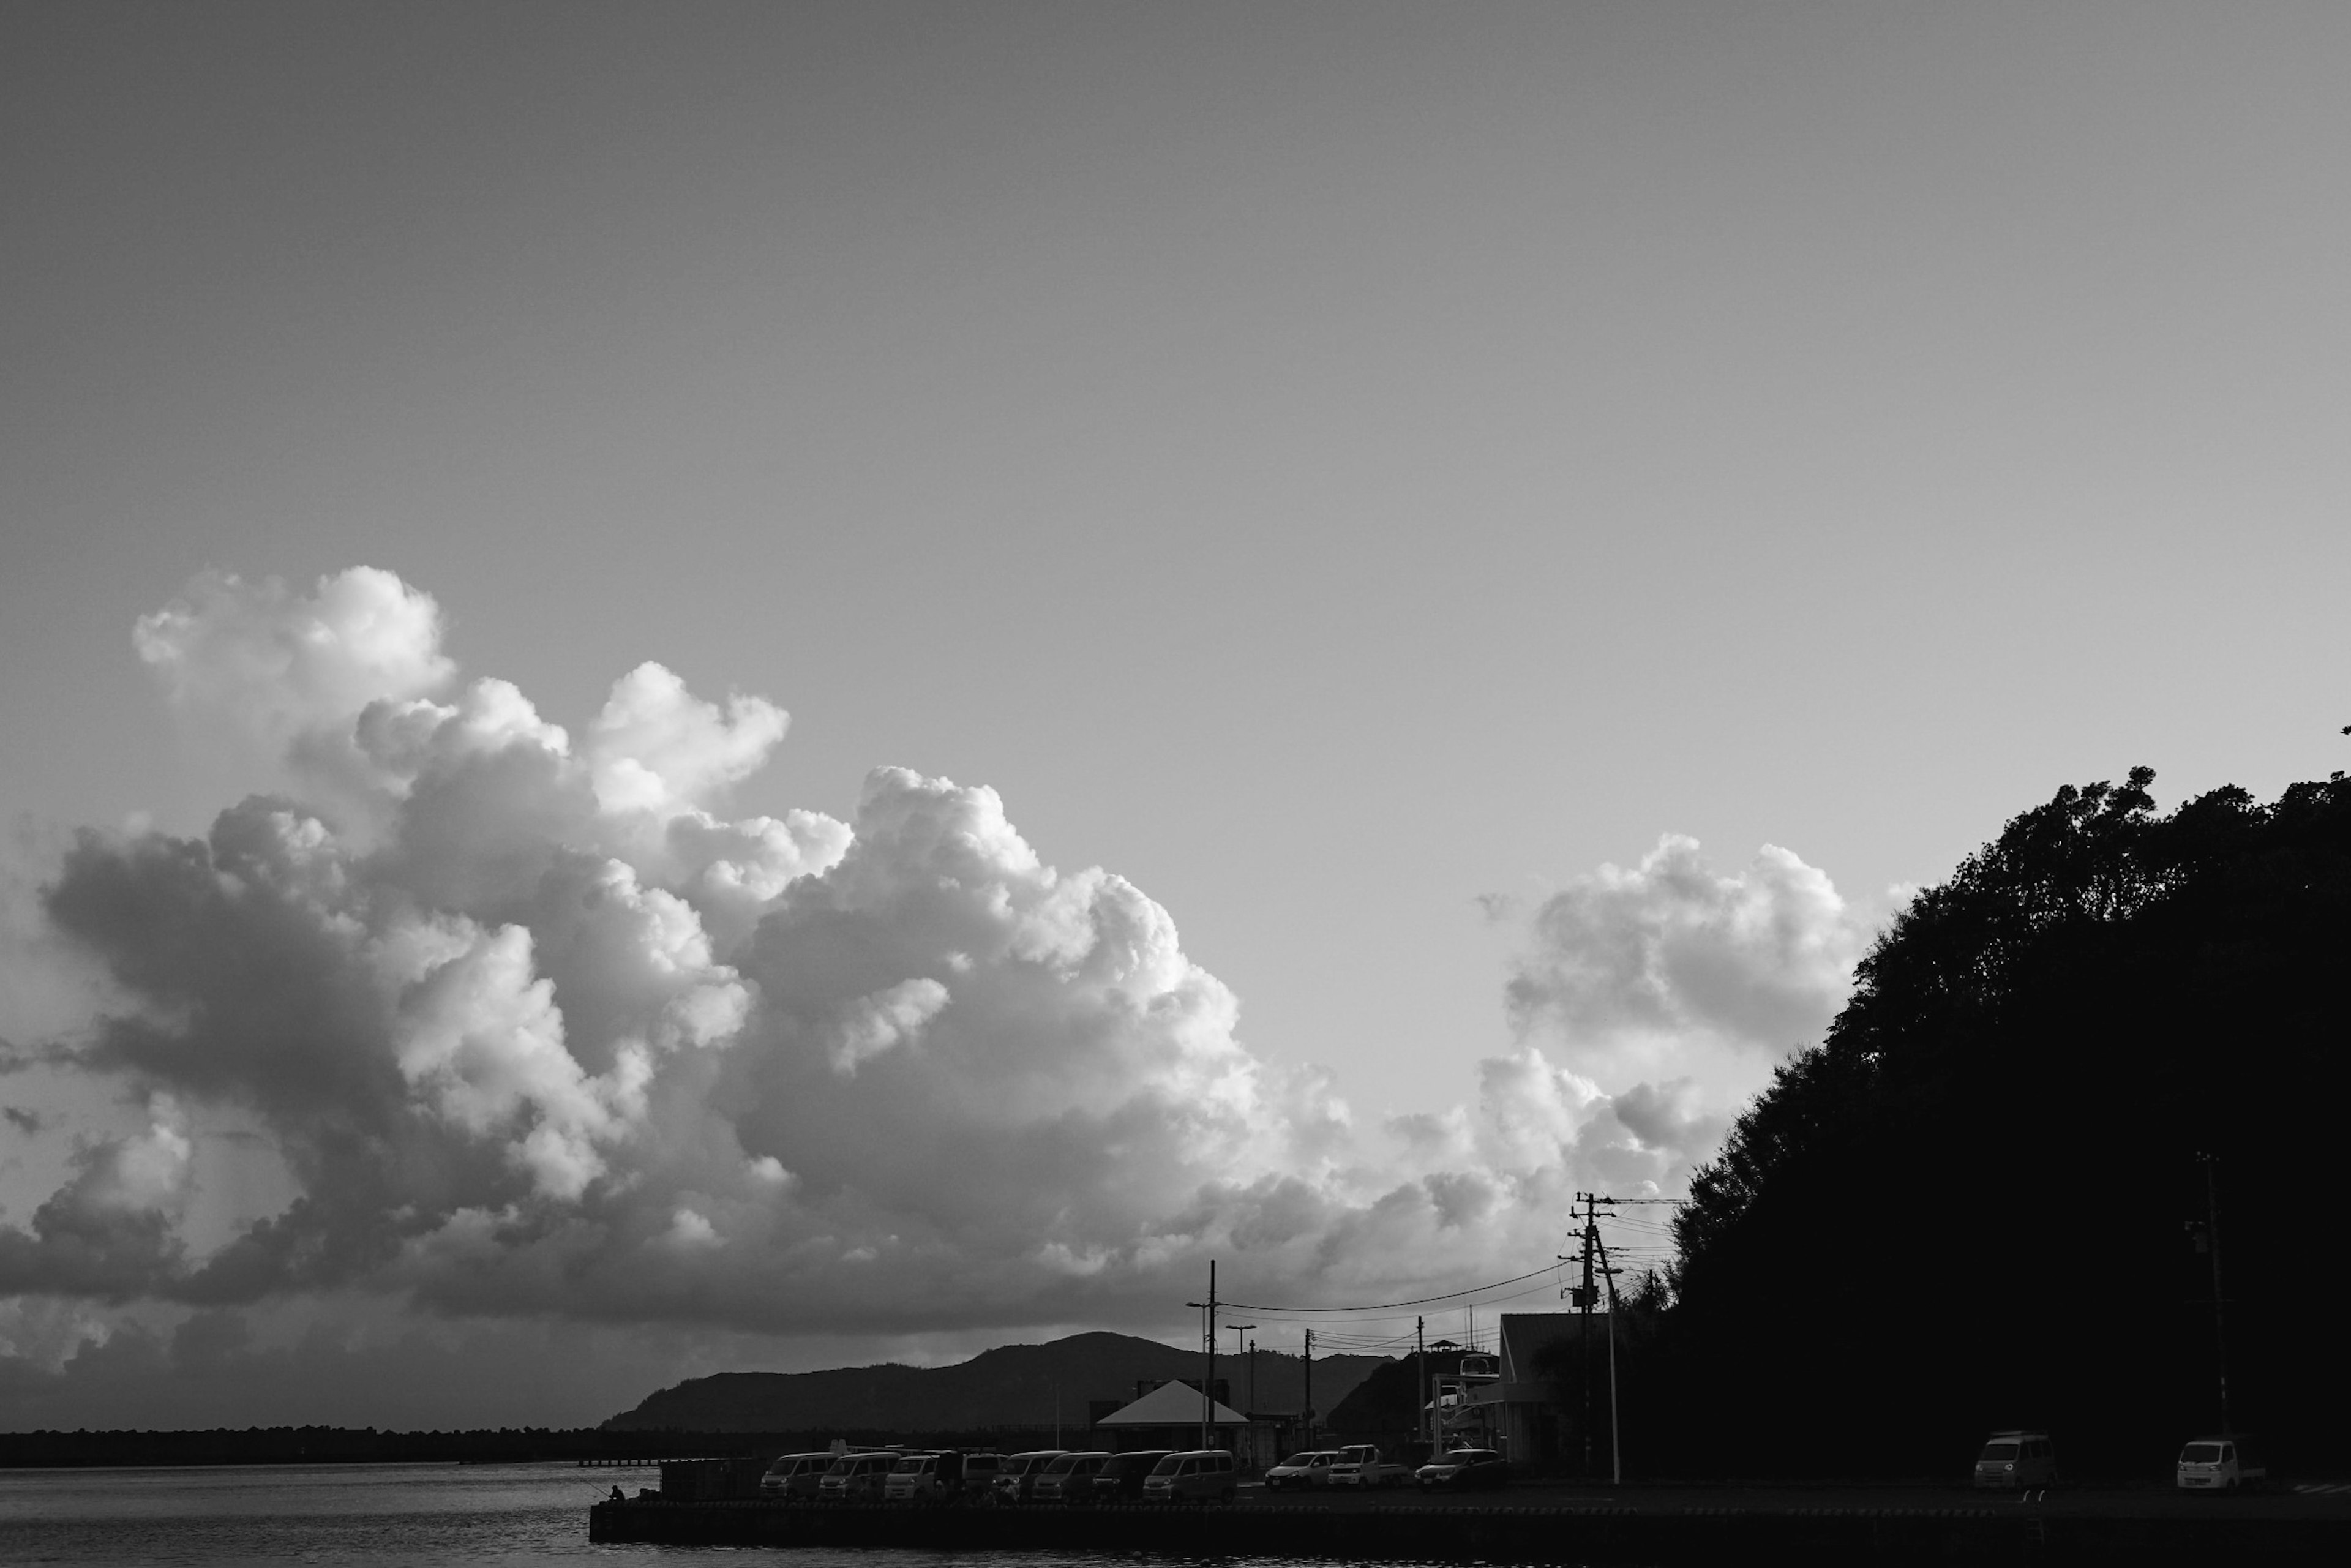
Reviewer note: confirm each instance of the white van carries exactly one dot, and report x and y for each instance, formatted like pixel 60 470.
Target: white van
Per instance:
pixel 1016 1475
pixel 795 1475
pixel 853 1477
pixel 2220 1464
pixel 924 1478
pixel 1193 1476
pixel 1069 1477
pixel 979 1471
pixel 2017 1459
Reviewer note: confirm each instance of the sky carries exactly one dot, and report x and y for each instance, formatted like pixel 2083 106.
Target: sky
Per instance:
pixel 1374 603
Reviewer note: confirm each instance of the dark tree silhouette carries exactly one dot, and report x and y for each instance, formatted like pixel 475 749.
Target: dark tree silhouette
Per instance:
pixel 1967 1207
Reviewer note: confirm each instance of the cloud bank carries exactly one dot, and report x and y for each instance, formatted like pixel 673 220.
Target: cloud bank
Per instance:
pixel 536 1031
pixel 1764 959
pixel 1688 984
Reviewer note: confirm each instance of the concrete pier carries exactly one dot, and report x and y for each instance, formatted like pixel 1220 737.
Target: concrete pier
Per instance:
pixel 1700 1529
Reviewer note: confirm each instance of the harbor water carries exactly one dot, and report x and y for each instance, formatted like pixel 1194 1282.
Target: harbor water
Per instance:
pixel 427 1515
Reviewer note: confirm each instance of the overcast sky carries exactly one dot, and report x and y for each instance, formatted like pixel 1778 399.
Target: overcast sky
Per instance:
pixel 1510 533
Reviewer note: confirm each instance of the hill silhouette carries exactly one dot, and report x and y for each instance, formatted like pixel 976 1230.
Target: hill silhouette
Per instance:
pixel 1982 1201
pixel 1389 1402
pixel 1016 1385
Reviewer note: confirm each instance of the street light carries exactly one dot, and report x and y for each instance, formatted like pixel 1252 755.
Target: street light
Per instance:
pixel 1237 1347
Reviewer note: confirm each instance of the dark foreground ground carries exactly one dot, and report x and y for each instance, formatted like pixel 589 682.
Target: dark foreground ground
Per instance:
pixel 2305 1499
pixel 1714 1525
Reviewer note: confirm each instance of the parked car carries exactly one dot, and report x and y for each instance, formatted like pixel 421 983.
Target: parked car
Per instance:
pixel 794 1475
pixel 2220 1464
pixel 2017 1459
pixel 1069 1477
pixel 1016 1476
pixel 1195 1476
pixel 979 1471
pixel 1302 1472
pixel 856 1477
pixel 1464 1469
pixel 1122 1477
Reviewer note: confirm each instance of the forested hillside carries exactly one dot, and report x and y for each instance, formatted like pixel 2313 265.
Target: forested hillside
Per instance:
pixel 1019 1385
pixel 1978 1203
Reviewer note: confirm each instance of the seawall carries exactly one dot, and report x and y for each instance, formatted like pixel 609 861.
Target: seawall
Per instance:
pixel 1598 1534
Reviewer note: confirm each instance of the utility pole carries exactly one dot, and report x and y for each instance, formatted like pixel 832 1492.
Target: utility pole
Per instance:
pixel 1310 1388
pixel 1208 1338
pixel 2220 1328
pixel 1583 1302
pixel 1420 1365
pixel 1585 1297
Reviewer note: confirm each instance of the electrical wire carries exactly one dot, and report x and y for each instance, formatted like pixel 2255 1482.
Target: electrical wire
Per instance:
pixel 1386 1306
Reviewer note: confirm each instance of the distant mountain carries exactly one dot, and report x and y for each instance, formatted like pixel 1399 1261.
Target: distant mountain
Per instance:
pixel 1389 1400
pixel 1016 1385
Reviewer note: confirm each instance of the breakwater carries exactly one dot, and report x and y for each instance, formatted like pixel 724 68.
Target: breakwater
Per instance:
pixel 1503 1532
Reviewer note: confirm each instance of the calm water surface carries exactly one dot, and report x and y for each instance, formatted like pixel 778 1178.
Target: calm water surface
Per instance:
pixel 433 1516
pixel 425 1514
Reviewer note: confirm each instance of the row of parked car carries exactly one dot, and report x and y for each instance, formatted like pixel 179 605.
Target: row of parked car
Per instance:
pixel 2029 1459
pixel 1360 1467
pixel 1040 1474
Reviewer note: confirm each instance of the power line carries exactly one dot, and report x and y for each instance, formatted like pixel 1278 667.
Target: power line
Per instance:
pixel 1373 1326
pixel 1385 1306
pixel 1352 1343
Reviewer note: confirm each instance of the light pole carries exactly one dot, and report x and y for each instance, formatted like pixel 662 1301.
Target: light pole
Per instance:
pixel 1238 1346
pixel 2212 1235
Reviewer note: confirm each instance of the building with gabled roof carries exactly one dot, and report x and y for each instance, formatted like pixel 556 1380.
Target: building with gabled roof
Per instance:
pixel 1169 1417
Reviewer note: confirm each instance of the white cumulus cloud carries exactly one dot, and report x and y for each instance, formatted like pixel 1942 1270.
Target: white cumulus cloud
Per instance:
pixel 1762 958
pixel 284 660
pixel 658 748
pixel 1680 986
pixel 535 1030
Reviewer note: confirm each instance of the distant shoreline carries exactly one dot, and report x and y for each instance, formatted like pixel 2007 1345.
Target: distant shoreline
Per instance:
pixel 348 1446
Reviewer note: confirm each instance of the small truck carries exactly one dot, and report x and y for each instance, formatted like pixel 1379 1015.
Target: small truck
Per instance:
pixel 1360 1465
